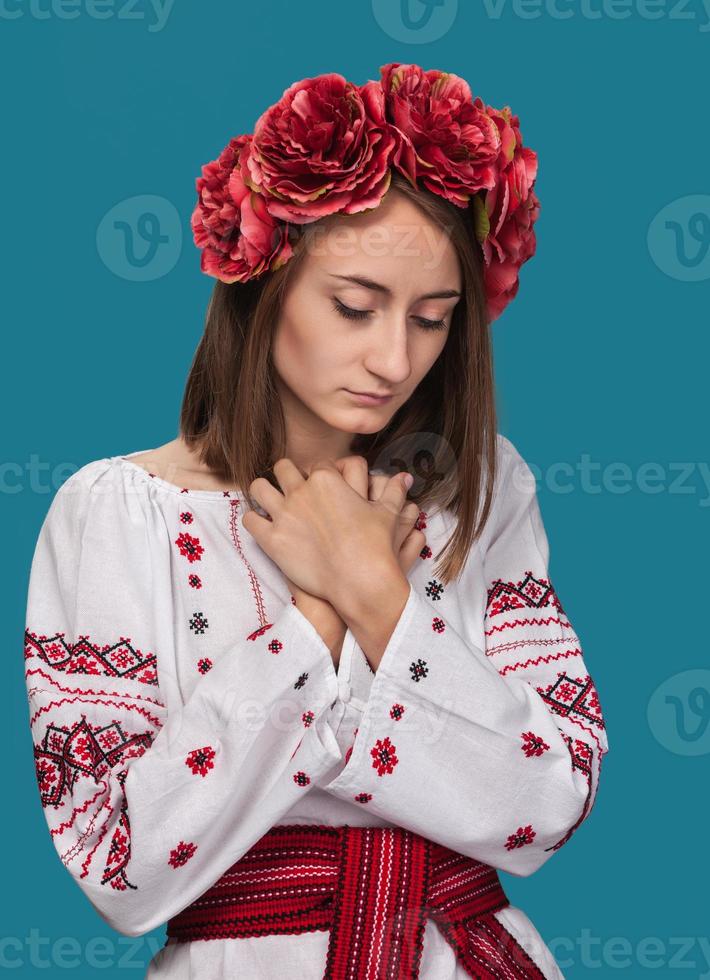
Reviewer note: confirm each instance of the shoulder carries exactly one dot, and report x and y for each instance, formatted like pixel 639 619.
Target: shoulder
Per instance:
pixel 514 477
pixel 103 491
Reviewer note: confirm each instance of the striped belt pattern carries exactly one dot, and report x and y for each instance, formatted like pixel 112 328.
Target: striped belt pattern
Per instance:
pixel 373 888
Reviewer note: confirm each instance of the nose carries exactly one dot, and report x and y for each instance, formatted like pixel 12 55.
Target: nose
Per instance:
pixel 388 354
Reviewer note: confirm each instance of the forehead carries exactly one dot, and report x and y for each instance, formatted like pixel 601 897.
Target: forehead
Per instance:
pixel 395 243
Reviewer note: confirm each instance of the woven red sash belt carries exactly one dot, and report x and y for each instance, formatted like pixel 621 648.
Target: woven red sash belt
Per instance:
pixel 373 888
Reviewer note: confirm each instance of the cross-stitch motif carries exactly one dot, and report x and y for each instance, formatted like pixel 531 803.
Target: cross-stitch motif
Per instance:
pixel 574 697
pixel 119 659
pixel 533 744
pixel 186 517
pixel 301 779
pixel 66 754
pixel 383 756
pixel 198 623
pixel 529 592
pixel 418 669
pixel 396 711
pixel 302 678
pixel 522 836
pixel 434 589
pixel 119 852
pixel 194 581
pixel 189 547
pixel 181 854
pixel 204 664
pixel 200 761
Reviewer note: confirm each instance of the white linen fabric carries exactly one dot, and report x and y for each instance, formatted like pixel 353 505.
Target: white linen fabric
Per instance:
pixel 181 705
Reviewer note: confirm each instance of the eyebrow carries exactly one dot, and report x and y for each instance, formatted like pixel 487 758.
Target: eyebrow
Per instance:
pixel 381 288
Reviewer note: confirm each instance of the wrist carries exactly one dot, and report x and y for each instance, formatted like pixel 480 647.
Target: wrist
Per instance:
pixel 324 619
pixel 355 601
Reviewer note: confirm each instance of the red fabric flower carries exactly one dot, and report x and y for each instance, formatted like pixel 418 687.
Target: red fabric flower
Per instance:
pixel 323 147
pixel 238 237
pixel 329 146
pixel 445 138
pixel 505 218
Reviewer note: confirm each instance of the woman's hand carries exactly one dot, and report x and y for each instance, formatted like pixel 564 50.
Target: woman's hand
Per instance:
pixel 319 611
pixel 325 534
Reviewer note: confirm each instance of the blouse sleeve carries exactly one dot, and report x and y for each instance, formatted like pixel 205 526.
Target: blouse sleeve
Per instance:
pixel 492 752
pixel 148 806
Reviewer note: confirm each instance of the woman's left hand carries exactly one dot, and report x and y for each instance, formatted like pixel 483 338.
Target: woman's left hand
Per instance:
pixel 323 535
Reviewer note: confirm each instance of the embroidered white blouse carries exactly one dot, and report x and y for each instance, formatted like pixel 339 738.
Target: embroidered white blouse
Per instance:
pixel 181 705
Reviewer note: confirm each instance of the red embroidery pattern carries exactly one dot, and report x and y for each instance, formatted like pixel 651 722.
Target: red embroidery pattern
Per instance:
pixel 363 797
pixel 189 547
pixel 533 744
pixel 383 756
pixel 575 698
pixel 420 522
pixel 200 761
pixel 181 854
pixel 204 665
pixel 426 552
pixel 64 755
pixel 119 852
pixel 581 754
pixel 194 581
pixel 438 625
pixel 119 659
pixel 235 530
pixel 528 592
pixel 522 836
pixel 301 779
pixel 396 711
pixel 275 646
pixel 307 718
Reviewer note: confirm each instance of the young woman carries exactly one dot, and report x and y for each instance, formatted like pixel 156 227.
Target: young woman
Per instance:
pixel 263 709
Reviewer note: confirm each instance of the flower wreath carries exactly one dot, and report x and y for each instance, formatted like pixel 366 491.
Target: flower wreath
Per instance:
pixel 328 146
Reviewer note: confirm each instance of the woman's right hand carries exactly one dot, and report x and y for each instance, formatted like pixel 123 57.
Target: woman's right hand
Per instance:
pixel 409 542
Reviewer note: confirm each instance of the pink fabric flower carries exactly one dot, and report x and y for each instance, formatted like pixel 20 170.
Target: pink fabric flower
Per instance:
pixel 238 237
pixel 445 139
pixel 324 147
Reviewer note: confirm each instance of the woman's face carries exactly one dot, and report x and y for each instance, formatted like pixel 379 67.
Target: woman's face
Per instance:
pixel 368 311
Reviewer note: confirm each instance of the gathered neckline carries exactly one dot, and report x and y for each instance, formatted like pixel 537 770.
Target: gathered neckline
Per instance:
pixel 126 461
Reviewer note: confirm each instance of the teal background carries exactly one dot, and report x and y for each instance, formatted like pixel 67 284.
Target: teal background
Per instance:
pixel 602 353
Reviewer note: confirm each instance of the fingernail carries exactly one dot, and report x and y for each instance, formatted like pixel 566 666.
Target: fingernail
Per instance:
pixel 408 480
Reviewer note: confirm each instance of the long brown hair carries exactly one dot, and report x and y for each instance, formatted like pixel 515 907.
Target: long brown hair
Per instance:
pixel 445 433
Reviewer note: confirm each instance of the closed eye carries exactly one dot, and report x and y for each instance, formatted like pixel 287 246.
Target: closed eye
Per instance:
pixel 352 314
